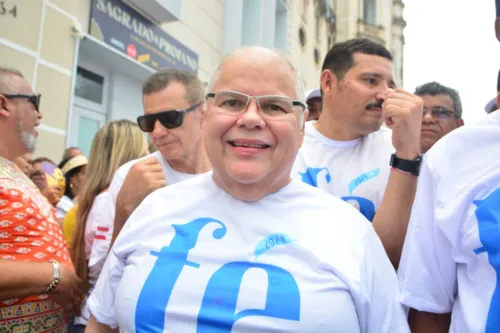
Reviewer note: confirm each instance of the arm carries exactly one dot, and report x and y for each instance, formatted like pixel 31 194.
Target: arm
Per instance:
pixel 149 174
pixel 403 111
pixel 391 220
pixel 23 279
pixel 424 322
pixel 94 327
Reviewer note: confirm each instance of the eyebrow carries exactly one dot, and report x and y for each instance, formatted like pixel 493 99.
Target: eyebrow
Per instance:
pixel 392 84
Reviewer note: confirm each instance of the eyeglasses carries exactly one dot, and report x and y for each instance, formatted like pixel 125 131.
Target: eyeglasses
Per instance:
pixel 169 119
pixel 33 99
pixel 440 113
pixel 234 103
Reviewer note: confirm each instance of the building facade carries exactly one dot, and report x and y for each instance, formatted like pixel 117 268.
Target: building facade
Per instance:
pixel 88 58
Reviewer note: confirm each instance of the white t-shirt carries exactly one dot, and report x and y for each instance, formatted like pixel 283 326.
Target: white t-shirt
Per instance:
pixel 356 171
pixel 104 226
pixel 95 213
pixel 192 258
pixel 450 260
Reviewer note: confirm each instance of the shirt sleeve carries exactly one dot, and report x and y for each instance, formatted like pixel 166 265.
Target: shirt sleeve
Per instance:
pixel 102 300
pixel 427 272
pixel 380 309
pixel 103 230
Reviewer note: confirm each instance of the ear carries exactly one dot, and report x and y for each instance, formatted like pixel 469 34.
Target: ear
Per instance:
pixel 460 122
pixel 327 81
pixel 203 113
pixel 4 112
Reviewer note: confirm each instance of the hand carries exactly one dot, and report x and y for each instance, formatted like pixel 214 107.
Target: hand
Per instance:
pixel 403 112
pixel 144 177
pixel 53 194
pixel 69 292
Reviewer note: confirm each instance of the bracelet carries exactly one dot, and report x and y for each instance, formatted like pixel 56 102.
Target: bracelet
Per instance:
pixel 55 280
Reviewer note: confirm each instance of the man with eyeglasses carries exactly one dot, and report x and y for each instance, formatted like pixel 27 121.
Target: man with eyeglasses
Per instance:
pixel 38 286
pixel 450 267
pixel 246 248
pixel 442 113
pixel 172 102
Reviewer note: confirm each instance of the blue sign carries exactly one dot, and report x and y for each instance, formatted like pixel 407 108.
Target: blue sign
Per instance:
pixel 121 27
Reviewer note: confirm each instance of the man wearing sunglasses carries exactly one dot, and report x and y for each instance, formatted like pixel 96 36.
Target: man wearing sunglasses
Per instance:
pixel 172 117
pixel 442 113
pixel 450 266
pixel 32 246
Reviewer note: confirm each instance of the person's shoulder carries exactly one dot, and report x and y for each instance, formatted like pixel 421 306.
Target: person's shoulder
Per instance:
pixel 326 205
pixel 188 190
pixel 467 141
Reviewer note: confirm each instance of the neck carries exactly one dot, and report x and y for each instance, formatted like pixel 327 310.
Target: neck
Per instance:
pixel 335 129
pixel 195 163
pixel 8 150
pixel 253 191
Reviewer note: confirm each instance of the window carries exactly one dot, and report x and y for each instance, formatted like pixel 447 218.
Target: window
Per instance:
pixel 370 11
pixel 89 86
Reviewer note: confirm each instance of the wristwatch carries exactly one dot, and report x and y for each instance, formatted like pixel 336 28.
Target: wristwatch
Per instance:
pixel 55 280
pixel 412 167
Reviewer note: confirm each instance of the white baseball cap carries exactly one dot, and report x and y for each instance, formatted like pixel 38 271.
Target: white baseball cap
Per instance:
pixel 313 93
pixel 491 106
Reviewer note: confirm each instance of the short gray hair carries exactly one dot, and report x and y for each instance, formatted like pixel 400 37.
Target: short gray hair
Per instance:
pixel 436 88
pixel 5 73
pixel 299 80
pixel 195 89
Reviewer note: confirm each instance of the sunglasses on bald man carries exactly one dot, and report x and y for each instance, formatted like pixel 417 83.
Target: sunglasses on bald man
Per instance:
pixel 169 119
pixel 33 99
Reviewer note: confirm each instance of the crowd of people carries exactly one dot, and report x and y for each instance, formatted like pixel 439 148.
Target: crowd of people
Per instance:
pixel 257 206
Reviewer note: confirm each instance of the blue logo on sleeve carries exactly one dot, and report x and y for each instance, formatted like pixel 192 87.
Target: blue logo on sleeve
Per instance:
pixel 488 219
pixel 218 308
pixel 311 176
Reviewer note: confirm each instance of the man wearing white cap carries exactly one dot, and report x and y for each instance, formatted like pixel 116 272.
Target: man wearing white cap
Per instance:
pixel 314 103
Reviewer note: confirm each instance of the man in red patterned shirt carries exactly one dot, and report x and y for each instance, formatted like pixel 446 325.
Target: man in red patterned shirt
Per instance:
pixel 38 286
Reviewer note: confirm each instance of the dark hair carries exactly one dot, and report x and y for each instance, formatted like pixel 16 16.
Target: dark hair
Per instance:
pixel 340 57
pixel 195 89
pixel 435 88
pixel 70 174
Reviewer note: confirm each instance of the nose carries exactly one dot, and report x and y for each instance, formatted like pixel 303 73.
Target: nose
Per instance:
pixel 40 115
pixel 159 130
pixel 251 118
pixel 384 92
pixel 428 118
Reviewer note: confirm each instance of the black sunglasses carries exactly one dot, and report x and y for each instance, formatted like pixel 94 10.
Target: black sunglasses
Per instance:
pixel 33 99
pixel 169 119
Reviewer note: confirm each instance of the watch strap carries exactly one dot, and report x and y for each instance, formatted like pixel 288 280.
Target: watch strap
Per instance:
pixel 411 166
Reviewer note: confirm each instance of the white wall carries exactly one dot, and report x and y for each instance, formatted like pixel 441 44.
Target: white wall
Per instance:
pixel 125 100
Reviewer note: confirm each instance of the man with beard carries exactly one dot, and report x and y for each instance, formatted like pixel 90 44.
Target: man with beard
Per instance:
pixel 36 268
pixel 348 154
pixel 442 113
